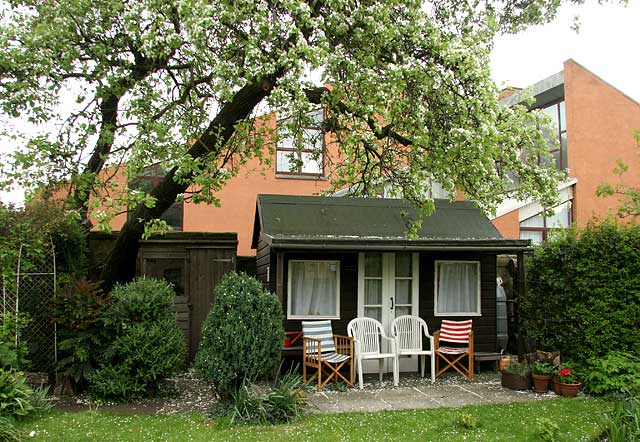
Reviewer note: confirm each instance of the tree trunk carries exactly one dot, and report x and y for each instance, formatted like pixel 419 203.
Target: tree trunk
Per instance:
pixel 120 266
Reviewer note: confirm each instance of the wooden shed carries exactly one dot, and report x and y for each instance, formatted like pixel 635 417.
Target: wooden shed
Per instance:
pixel 193 262
pixel 340 258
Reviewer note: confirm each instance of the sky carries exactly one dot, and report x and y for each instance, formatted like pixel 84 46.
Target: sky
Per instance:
pixel 607 44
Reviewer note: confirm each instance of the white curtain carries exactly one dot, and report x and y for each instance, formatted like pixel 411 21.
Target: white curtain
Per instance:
pixel 313 288
pixel 457 287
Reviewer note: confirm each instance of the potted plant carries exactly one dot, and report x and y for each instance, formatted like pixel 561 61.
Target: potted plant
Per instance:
pixel 568 382
pixel 541 372
pixel 517 376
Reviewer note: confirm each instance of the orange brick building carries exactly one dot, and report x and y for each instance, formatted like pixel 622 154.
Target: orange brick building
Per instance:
pixel 238 197
pixel 595 124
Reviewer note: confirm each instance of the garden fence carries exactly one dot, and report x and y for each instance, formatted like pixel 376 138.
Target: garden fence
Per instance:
pixel 30 289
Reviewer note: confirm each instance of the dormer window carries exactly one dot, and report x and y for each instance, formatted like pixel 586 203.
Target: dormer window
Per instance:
pixel 301 152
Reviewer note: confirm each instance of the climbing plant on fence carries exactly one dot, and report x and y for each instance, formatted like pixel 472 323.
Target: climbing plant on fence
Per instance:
pixel 40 246
pixel 583 293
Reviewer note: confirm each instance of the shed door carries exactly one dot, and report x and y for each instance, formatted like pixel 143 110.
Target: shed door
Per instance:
pixel 388 288
pixel 173 270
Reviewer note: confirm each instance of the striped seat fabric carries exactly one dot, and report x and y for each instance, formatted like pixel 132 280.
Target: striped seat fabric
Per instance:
pixel 326 353
pixel 459 355
pixel 455 331
pixel 319 330
pixel 453 350
pixel 333 357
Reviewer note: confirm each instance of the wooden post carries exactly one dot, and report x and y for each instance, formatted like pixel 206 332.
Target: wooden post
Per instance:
pixel 522 287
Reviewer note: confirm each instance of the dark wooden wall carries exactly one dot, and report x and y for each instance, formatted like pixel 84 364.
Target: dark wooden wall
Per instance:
pixel 348 288
pixel 263 261
pixel 484 326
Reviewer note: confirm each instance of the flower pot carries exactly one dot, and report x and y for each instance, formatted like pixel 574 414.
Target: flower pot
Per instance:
pixel 541 382
pixel 569 390
pixel 504 362
pixel 515 381
pixel 556 386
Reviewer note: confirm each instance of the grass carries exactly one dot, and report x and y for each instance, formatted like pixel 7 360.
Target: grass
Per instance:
pixel 577 420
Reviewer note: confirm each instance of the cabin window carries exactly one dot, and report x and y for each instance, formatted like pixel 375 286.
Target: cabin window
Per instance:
pixel 313 289
pixel 457 288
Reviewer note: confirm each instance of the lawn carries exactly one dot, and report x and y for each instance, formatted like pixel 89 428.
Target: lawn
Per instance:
pixel 577 419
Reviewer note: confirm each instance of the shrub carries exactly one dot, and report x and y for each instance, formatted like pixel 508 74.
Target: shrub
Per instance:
pixel 284 403
pixel 8 431
pixel 618 371
pixel 142 301
pixel 242 335
pixel 77 310
pixel 548 430
pixel 467 421
pixel 583 296
pixel 40 401
pixel 15 394
pixel 623 423
pixel 13 346
pixel 147 345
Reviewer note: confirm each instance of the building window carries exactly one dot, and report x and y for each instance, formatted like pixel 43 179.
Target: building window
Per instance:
pixel 457 288
pixel 313 290
pixel 301 152
pixel 146 181
pixel 557 135
pixel 537 227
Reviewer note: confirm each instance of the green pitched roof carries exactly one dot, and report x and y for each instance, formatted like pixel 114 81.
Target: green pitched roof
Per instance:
pixel 332 220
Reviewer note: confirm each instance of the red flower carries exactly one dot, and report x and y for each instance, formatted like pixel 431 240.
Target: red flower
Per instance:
pixel 564 372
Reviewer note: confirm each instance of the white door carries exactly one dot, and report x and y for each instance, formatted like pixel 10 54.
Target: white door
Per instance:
pixel 388 288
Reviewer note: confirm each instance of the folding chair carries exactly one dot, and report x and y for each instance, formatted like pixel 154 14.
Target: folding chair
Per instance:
pixel 325 352
pixel 460 333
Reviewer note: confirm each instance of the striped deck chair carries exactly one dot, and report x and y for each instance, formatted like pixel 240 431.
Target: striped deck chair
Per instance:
pixel 325 352
pixel 459 333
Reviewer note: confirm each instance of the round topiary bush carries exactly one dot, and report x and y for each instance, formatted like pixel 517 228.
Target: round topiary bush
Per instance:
pixel 242 336
pixel 147 344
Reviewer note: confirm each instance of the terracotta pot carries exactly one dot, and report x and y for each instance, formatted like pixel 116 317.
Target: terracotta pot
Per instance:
pixel 515 381
pixel 541 382
pixel 504 362
pixel 569 390
pixel 556 386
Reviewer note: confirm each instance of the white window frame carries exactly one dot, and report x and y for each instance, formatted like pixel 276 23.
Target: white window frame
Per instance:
pixel 337 294
pixel 435 288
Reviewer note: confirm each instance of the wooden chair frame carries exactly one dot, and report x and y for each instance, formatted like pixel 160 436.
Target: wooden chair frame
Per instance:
pixel 455 360
pixel 312 357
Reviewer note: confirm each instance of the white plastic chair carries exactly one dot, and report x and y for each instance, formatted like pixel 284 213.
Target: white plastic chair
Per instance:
pixel 368 337
pixel 408 331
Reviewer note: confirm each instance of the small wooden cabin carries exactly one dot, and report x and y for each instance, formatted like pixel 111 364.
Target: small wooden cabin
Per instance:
pixel 339 258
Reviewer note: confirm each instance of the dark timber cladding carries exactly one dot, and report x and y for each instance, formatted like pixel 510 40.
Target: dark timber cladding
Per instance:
pixel 193 262
pixel 339 228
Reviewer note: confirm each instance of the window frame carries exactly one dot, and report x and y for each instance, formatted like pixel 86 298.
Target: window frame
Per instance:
pixel 299 152
pixel 435 288
pixel 156 177
pixel 289 292
pixel 558 133
pixel 545 229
